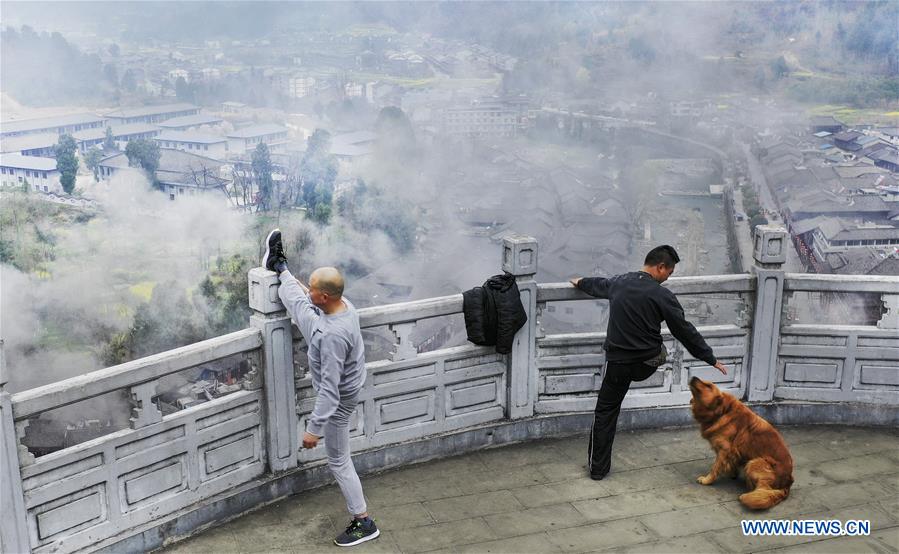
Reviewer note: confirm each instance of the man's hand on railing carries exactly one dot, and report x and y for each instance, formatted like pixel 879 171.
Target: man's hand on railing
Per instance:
pixel 310 440
pixel 574 280
pixel 721 367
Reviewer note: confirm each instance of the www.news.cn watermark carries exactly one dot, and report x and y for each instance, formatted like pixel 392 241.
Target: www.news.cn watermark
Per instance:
pixel 807 527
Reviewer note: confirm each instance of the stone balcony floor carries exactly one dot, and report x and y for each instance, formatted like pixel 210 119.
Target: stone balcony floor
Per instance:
pixel 535 497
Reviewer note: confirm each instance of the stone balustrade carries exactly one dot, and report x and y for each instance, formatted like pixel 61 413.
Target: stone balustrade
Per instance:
pixel 169 474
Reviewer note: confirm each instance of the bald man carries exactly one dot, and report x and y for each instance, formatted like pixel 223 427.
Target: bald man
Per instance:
pixel 330 325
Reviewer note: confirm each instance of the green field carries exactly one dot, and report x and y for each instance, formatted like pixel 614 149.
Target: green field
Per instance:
pixel 852 116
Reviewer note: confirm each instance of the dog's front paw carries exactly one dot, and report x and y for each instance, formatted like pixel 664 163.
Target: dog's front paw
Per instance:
pixel 705 479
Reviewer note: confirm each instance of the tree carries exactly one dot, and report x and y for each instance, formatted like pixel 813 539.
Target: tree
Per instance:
pixel 225 292
pixel 114 50
pixel 92 160
pixel 641 50
pixel 320 209
pixel 368 208
pixel 169 320
pixel 396 138
pixel 756 221
pixel 111 74
pixel 318 143
pixel 109 142
pixel 144 154
pixel 840 33
pixel 780 68
pixel 67 162
pixel 582 76
pixel 183 90
pixel 318 171
pixel 262 169
pixel 129 83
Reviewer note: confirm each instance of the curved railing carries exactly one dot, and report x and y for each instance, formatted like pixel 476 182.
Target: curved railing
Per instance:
pixel 184 462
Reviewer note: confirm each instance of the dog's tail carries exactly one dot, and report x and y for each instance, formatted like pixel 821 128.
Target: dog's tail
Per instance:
pixel 769 486
pixel 762 499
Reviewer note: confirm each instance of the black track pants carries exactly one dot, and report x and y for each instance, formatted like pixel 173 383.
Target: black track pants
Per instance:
pixel 615 385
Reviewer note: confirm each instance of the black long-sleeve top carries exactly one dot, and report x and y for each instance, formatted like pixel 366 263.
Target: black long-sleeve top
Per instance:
pixel 637 306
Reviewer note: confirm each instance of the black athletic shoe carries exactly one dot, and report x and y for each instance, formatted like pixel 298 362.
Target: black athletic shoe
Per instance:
pixel 274 252
pixel 357 533
pixel 598 476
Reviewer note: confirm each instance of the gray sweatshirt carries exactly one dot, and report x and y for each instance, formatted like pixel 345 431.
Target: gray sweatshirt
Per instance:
pixel 336 353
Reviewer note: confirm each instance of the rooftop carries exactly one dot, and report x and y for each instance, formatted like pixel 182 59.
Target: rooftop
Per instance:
pixel 27 162
pixel 886 154
pixel 536 497
pixel 29 142
pixel 20 125
pixel 190 121
pixel 191 136
pixel 819 120
pixel 151 110
pixel 257 131
pixel 115 160
pixel 847 136
pixel 117 131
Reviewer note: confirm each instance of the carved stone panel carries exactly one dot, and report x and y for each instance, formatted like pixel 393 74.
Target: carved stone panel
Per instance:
pixel 468 396
pixel 229 453
pixel 153 482
pixel 878 374
pixel 801 372
pixel 70 513
pixel 579 382
pixel 405 410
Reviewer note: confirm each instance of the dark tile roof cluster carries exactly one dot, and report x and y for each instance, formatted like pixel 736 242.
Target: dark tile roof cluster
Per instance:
pixel 863 261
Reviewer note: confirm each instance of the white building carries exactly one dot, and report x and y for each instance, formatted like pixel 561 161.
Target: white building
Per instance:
pixel 176 73
pixel 210 73
pixel 151 114
pixel 350 149
pixel 187 122
pixel 58 125
pixel 295 86
pixel 233 107
pixel 201 143
pixel 40 173
pixel 121 134
pixel 246 139
pixel 180 173
pixel 354 90
pixel 43 145
pixel 487 117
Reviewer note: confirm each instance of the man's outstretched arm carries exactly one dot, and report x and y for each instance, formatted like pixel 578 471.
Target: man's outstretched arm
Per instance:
pixel 686 333
pixel 294 296
pixel 594 286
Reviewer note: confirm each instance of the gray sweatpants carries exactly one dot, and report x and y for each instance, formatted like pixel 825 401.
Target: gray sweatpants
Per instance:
pixel 337 446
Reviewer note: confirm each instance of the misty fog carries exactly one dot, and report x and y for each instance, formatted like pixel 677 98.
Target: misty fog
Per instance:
pixel 416 136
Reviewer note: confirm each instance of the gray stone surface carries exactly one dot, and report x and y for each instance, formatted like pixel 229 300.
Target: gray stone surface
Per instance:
pixel 543 501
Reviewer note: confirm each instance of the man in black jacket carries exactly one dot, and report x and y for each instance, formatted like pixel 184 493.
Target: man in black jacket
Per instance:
pixel 637 306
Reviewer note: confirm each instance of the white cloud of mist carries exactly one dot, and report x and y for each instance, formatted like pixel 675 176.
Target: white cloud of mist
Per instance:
pixel 139 239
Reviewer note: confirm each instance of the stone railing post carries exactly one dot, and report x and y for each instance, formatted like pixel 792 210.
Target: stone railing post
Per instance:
pixel 270 317
pixel 520 259
pixel 13 524
pixel 769 252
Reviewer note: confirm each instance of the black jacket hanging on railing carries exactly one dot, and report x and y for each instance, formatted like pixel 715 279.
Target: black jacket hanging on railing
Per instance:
pixel 493 312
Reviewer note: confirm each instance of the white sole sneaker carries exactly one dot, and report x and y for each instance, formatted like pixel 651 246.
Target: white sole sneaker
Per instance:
pixel 374 535
pixel 267 250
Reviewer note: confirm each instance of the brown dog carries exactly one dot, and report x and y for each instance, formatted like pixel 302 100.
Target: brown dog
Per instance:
pixel 742 440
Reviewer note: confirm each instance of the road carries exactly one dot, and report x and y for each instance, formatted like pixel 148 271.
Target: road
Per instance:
pixel 766 199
